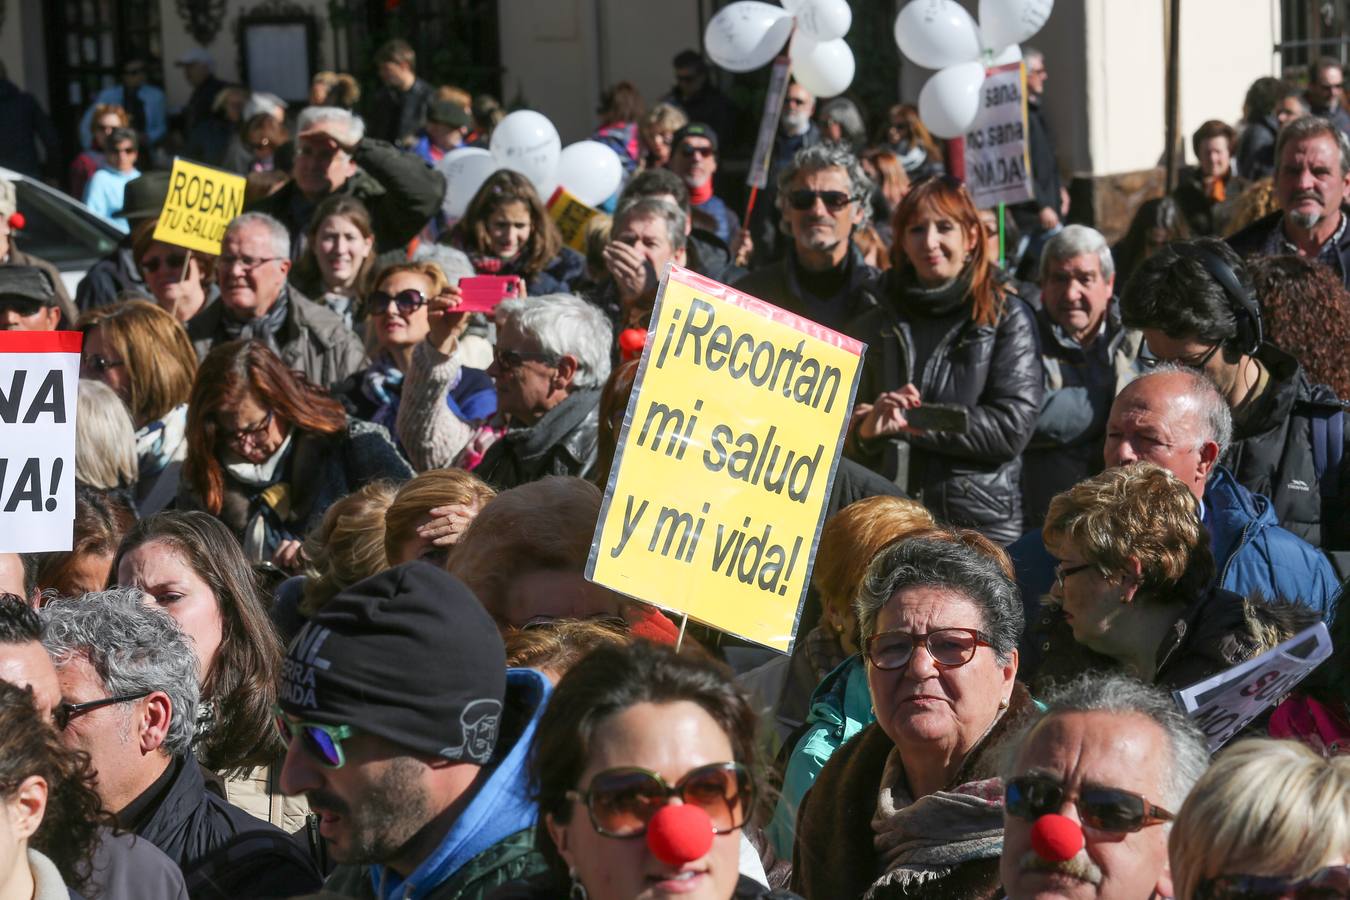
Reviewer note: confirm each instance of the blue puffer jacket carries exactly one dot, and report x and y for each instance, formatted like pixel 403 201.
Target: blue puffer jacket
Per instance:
pixel 1254 555
pixel 841 706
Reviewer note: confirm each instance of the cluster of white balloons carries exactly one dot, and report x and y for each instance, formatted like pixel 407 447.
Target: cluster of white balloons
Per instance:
pixel 940 34
pixel 748 34
pixel 526 142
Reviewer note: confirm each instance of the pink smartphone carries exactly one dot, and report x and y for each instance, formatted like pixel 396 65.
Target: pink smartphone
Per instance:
pixel 482 293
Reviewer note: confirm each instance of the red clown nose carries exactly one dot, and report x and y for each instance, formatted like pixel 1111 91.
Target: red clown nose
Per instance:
pixel 1056 838
pixel 631 342
pixel 679 834
pixel 17 221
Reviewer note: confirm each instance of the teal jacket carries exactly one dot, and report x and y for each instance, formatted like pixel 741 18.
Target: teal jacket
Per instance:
pixel 841 706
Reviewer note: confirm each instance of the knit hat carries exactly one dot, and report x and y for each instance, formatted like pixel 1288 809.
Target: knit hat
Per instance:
pixel 694 129
pixel 409 655
pixel 27 283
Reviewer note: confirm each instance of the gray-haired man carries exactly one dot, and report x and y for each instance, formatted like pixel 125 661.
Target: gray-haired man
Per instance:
pixel 824 195
pixel 1112 759
pixel 128 677
pixel 1087 356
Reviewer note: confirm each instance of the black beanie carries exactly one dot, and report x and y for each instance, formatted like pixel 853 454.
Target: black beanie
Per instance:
pixel 409 655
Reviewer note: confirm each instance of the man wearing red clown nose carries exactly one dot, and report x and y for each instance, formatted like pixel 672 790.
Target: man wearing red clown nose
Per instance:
pixel 1090 787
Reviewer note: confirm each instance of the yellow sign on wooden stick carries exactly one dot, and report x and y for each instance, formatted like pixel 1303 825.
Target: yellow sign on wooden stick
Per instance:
pixel 201 202
pixel 726 458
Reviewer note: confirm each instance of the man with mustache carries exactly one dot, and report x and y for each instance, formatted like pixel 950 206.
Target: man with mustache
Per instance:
pixel 1100 772
pixel 1312 171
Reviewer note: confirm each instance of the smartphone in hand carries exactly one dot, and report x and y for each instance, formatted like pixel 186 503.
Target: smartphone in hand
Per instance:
pixel 482 293
pixel 949 417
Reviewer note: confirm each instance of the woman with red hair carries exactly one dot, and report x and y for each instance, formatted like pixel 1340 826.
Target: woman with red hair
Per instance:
pixel 269 452
pixel 946 334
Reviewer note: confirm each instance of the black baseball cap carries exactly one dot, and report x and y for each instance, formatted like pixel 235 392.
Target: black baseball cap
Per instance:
pixel 695 129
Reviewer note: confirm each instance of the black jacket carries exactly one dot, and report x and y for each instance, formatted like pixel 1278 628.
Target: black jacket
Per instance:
pixel 780 283
pixel 709 255
pixel 398 116
pixel 401 191
pixel 26 123
pixel 971 479
pixel 1272 453
pixel 218 845
pixel 1255 155
pixel 1203 215
pixel 563 442
pixel 1256 237
pixel 108 277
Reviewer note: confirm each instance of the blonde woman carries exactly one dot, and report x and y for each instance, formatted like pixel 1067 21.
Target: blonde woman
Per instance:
pixel 430 513
pixel 1269 819
pixel 1135 585
pixel 656 130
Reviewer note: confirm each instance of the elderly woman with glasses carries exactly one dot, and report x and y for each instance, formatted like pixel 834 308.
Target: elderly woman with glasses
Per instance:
pixel 269 451
pixel 1135 585
pixel 606 772
pixel 414 334
pixel 912 806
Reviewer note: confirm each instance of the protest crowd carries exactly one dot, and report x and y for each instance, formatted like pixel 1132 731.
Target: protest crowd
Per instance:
pixel 331 624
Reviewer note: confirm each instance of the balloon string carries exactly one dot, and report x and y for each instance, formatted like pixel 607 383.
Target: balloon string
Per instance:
pixel 679 640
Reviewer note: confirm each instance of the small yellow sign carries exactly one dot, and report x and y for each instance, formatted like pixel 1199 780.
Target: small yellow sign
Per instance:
pixel 202 201
pixel 571 216
pixel 726 459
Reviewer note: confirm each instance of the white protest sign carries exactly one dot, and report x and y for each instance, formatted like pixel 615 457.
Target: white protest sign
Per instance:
pixel 1224 704
pixel 39 381
pixel 998 167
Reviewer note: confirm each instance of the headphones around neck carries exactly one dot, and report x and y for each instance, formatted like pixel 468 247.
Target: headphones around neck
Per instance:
pixel 1246 311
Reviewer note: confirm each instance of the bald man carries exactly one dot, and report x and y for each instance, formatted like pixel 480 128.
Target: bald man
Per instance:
pixel 1176 418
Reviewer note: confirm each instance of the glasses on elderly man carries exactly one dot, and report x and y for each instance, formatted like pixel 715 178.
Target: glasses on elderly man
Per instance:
pixel 64 712
pixel 950 648
pixel 1102 808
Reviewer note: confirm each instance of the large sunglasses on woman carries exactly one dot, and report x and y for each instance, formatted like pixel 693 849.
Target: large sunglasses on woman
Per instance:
pixel 622 801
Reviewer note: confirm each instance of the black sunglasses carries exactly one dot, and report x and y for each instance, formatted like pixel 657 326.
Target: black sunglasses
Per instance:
pixel 1103 808
pixel 174 261
pixel 24 306
pixel 507 360
pixel 1324 884
pixel 622 801
pixel 408 301
pixel 64 712
pixel 834 201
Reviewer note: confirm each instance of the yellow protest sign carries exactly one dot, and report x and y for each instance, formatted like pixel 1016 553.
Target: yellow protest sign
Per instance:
pixel 571 216
pixel 726 458
pixel 200 204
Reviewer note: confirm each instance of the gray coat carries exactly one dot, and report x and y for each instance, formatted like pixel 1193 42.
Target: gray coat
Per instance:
pixel 313 340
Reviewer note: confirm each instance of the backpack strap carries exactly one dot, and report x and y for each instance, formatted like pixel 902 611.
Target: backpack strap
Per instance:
pixel 1327 421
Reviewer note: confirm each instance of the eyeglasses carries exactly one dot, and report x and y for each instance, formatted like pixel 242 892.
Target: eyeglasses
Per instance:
pixel 247 434
pixel 1324 884
pixel 509 360
pixel 123 151
pixel 833 200
pixel 408 301
pixel 622 801
pixel 1103 808
pixel 950 648
pixel 323 742
pixel 1062 574
pixel 691 150
pixel 228 261
pixel 100 364
pixel 174 261
pixel 64 712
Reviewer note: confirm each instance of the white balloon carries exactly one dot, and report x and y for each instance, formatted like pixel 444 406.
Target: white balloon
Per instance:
pixel 825 68
pixel 937 33
pixel 527 142
pixel 747 35
pixel 589 171
pixel 465 170
pixel 824 20
pixel 1006 56
pixel 793 5
pixel 1004 22
pixel 950 100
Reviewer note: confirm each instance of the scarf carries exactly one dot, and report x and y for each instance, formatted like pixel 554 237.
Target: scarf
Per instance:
pixel 273 497
pixel 912 156
pixel 264 328
pixel 701 195
pixel 923 840
pixel 919 302
pixel 162 442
